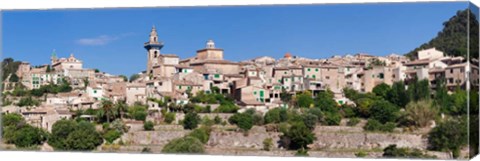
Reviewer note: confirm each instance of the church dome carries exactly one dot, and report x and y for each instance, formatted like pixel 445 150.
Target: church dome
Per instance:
pixel 287 55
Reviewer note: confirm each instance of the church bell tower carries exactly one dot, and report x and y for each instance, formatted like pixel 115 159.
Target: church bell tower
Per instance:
pixel 153 47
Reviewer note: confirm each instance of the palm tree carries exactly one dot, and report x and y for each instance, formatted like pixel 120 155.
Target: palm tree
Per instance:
pixel 121 108
pixel 107 110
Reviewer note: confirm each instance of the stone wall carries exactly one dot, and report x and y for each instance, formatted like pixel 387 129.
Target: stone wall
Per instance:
pixel 160 137
pixel 240 140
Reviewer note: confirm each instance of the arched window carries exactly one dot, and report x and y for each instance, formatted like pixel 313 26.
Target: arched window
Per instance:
pixel 155 54
pixel 154 39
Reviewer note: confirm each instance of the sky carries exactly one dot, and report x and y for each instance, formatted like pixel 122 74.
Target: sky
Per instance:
pixel 112 39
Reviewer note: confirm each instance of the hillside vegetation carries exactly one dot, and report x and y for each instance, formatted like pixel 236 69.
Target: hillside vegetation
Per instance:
pixel 453 38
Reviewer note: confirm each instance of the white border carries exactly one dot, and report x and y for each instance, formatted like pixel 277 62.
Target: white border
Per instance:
pixel 69 4
pixel 60 4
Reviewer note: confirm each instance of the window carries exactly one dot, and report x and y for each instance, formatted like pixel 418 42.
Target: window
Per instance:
pixel 284 72
pixel 327 77
pixel 316 69
pixel 254 92
pixel 155 54
pixel 461 70
pixel 179 87
pixel 313 76
pixel 94 91
pixel 380 75
pixel 217 75
pixel 308 69
pixel 451 70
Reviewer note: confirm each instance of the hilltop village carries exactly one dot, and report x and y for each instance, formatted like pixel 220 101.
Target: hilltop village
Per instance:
pixel 186 93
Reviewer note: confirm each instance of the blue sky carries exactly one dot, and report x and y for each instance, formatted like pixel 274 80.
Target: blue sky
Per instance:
pixel 112 39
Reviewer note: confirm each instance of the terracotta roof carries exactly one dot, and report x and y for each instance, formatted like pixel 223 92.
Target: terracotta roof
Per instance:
pixel 418 62
pixel 213 62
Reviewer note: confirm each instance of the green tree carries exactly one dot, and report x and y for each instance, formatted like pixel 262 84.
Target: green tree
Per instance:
pixel 382 90
pixel 304 99
pixel 138 112
pixel 112 135
pixel 285 96
pixel 189 145
pixel 384 111
pixel 70 135
pixel 398 95
pixel 28 101
pixel 191 120
pixel 453 39
pixel 298 136
pixel 310 120
pixel 393 152
pixel 325 102
pixel 442 99
pixel 169 117
pixel 459 102
pixel 125 78
pixel 134 77
pixel 28 136
pixel 243 120
pixel 14 78
pixel 419 90
pixel 107 110
pixel 12 119
pixel 202 134
pixel 450 135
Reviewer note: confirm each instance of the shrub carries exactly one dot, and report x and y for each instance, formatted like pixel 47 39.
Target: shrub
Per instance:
pixel 276 115
pixel 449 136
pixel 267 144
pixel 393 152
pixel 202 134
pixel 169 117
pixel 112 135
pixel 191 120
pixel 421 112
pixel 243 120
pixel 298 136
pixel 353 122
pixel 207 121
pixel 348 111
pixel 383 111
pixel 374 125
pixel 258 119
pixel 217 120
pixel 138 112
pixel 146 150
pixel 28 136
pixel 361 154
pixel 28 101
pixel 301 152
pixel 70 135
pixel 332 118
pixel 317 112
pixel 189 145
pixel 226 108
pixel 148 126
pixel 304 99
pixel 310 120
pixel 12 119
